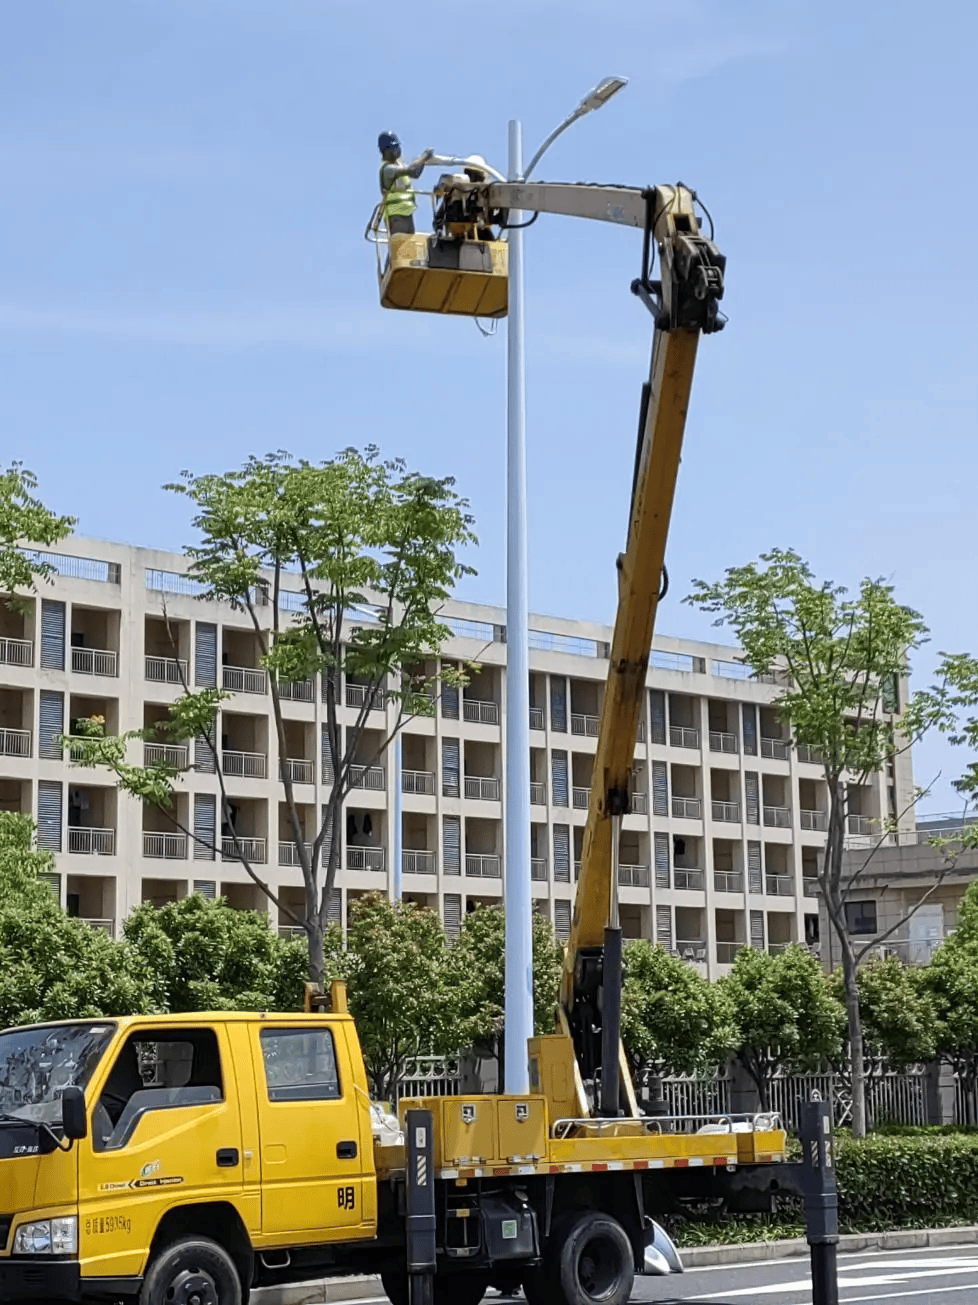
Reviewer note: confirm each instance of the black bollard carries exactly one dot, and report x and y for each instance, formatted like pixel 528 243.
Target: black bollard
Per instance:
pixel 821 1200
pixel 420 1200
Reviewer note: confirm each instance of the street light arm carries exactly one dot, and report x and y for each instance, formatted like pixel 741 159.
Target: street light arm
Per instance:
pixel 579 112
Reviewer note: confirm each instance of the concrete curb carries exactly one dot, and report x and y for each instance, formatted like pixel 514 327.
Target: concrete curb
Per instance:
pixel 320 1291
pixel 695 1257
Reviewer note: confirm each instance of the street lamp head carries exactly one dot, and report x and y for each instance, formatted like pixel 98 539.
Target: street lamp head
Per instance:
pixel 602 93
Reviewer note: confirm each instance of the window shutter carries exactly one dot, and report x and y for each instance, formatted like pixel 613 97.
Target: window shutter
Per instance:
pixel 52 635
pixel 51 723
pixel 662 860
pixel 452 845
pixel 49 814
pixel 558 704
pixel 205 763
pixel 751 798
pixel 750 729
pixel 205 655
pixel 559 791
pixel 205 826
pixel 335 912
pixel 757 930
pixel 453 914
pixel 326 821
pixel 657 703
pixel 449 768
pixel 327 763
pixel 663 926
pixel 755 883
pixel 449 701
pixel 562 853
pixel 660 789
pixel 205 888
pixel 53 881
pixel 562 919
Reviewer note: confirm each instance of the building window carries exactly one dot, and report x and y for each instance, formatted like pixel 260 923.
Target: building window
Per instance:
pixel 861 917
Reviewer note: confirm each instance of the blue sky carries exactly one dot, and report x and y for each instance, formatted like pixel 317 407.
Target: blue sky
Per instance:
pixel 183 278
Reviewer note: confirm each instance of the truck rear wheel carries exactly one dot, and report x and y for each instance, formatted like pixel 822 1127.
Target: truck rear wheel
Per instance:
pixel 594 1261
pixel 194 1271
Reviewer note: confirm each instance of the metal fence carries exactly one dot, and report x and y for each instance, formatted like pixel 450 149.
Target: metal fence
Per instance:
pixel 891 1098
pixel 429 1076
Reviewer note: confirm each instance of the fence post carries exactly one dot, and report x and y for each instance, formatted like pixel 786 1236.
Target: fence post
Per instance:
pixel 821 1200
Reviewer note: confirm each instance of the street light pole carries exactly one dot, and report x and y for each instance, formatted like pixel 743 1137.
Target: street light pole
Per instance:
pixel 517 902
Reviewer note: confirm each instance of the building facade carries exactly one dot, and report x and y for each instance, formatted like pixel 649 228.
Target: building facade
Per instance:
pixel 719 850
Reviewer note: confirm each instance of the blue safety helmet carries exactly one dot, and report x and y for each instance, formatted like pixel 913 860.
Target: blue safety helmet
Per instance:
pixel 387 141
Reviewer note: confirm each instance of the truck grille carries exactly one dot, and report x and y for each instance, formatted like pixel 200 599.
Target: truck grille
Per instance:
pixel 5 1221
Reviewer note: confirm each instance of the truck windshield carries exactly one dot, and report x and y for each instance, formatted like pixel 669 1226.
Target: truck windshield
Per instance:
pixel 37 1064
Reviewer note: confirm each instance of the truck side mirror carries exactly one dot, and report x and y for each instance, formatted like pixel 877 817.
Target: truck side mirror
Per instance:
pixel 74 1120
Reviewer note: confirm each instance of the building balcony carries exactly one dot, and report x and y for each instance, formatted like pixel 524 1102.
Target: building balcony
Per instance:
pixel 288 853
pixel 810 883
pixel 297 691
pixel 94 661
pixel 536 718
pixel 164 847
pixel 418 782
pixel 538 795
pixel 176 755
pixel 480 866
pixel 728 812
pixel 690 949
pixel 777 817
pixel 779 885
pixel 483 787
pixel 860 825
pixel 418 862
pixel 298 770
pixel 365 858
pixel 355 695
pixel 243 679
pixel 15 743
pixel 727 952
pixel 479 711
pixel 244 765
pixel 639 803
pixel 292 933
pixel 775 749
pixel 720 741
pixel 684 808
pixel 812 819
pixel 243 848
pixel 538 868
pixel 683 736
pixel 810 756
pixel 693 881
pixel 166 670
pixel 83 840
pixel 369 777
pixel 776 948
pixel 582 798
pixel 100 926
pixel 633 876
pixel 16 652
pixel 585 725
pixel 728 881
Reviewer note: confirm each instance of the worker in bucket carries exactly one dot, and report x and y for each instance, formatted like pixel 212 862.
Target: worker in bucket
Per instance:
pixel 395 184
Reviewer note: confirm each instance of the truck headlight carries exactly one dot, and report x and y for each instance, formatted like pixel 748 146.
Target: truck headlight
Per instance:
pixel 47 1237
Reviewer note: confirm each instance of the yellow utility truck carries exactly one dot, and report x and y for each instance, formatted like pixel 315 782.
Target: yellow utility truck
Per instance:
pixel 187 1159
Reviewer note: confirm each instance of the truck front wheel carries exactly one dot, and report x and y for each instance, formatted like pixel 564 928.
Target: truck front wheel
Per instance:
pixel 193 1271
pixel 594 1261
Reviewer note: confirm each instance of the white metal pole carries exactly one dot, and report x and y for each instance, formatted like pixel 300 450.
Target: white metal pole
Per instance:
pixel 518 906
pixel 396 851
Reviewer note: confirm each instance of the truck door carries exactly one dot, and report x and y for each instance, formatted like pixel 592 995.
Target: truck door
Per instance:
pixel 312 1159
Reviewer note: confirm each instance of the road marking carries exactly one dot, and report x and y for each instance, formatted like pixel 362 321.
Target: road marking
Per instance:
pixel 910 1272
pixel 847 1259
pixel 899 1295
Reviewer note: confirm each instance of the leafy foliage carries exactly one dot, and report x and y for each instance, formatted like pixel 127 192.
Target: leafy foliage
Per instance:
pixel 23 517
pixel 894 1182
pixel 897 1012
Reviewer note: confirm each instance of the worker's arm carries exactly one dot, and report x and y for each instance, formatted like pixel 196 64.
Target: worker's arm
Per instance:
pixel 391 171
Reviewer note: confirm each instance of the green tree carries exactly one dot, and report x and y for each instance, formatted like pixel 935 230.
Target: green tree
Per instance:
pixel 24 520
pixel 840 660
pixel 22 866
pixel 341 568
pixel 671 1016
pixel 896 1011
pixel 786 1016
pixel 400 987
pixel 951 981
pixel 207 955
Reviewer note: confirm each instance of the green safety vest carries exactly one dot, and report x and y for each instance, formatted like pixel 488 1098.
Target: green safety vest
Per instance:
pixel 399 198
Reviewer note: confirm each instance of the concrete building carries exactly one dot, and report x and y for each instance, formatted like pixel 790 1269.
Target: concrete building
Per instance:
pixel 719 851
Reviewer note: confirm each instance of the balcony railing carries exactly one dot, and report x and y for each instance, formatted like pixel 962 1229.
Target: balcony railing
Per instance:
pixel 776 749
pixel 726 811
pixel 728 881
pixel 248 765
pixel 251 849
pixel 165 847
pixel 633 876
pixel 582 797
pixel 812 819
pixel 480 711
pixel 639 803
pixel 538 868
pixel 243 679
pixel 584 724
pixel 297 691
pixel 288 853
pixel 100 926
pixel 683 736
pixel 776 948
pixel 536 718
pixel 16 652
pixel 538 795
pixel 685 808
pixel 482 787
pixel 418 862
pixel 292 932
pixel 418 781
pixel 811 885
pixel 691 949
pixel 720 741
pixel 727 952
pixel 480 866
pixel 810 755
pixel 176 755
pixel 693 881
pixel 780 885
pixel 166 670
pixel 371 777
pixel 860 825
pixel 365 858
pixel 94 661
pixel 15 743
pixel 356 696
pixel 777 817
pixel 298 770
pixel 87 841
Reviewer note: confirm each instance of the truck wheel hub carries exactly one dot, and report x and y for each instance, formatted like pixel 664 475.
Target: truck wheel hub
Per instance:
pixel 192 1287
